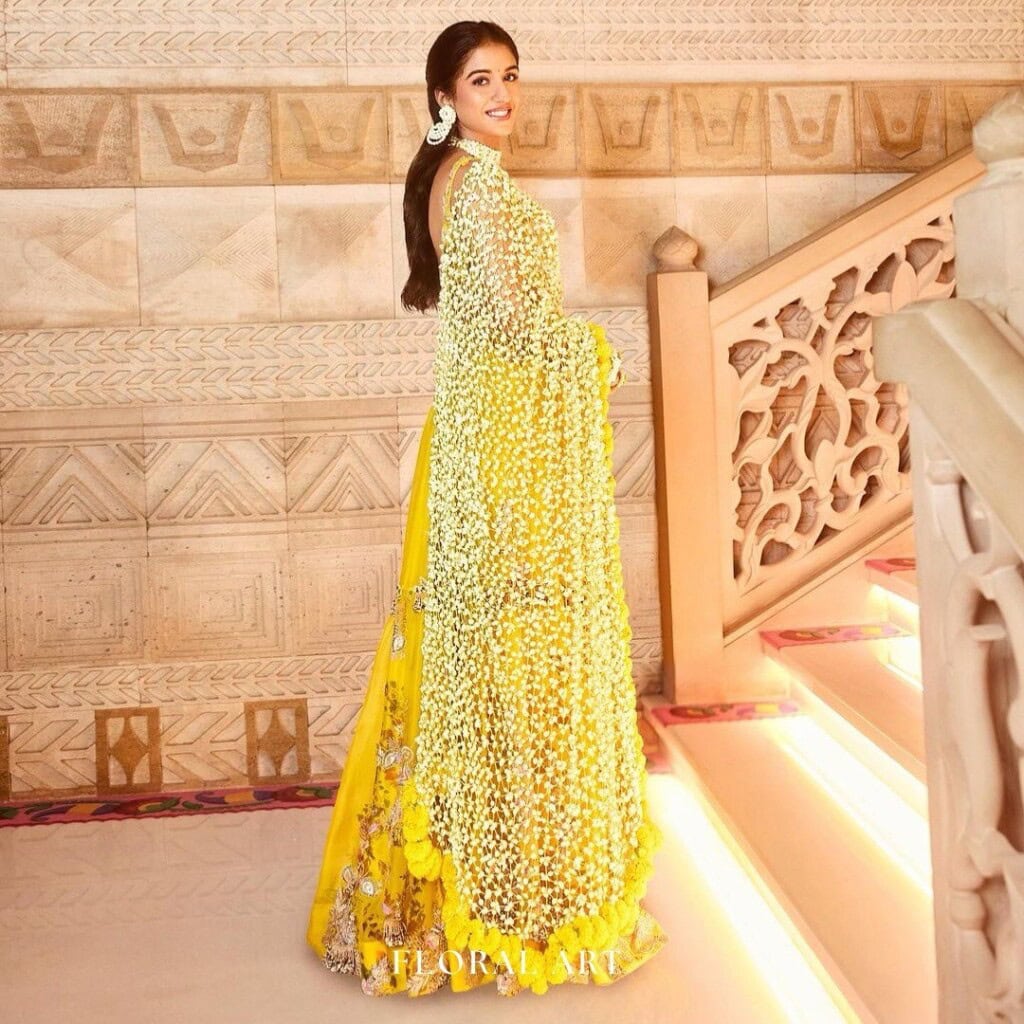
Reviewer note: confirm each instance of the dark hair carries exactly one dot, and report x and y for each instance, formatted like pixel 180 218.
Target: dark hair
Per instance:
pixel 445 61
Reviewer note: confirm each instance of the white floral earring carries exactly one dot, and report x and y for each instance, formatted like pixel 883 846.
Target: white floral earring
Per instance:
pixel 439 129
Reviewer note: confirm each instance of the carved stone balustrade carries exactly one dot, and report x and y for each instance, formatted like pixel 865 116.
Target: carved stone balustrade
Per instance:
pixel 963 361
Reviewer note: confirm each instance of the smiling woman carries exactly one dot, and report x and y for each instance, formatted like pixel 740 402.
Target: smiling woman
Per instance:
pixel 492 821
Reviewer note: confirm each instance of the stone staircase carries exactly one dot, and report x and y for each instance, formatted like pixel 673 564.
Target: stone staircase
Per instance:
pixel 822 790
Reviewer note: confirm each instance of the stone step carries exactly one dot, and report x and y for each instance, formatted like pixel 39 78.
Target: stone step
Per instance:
pixel 866 916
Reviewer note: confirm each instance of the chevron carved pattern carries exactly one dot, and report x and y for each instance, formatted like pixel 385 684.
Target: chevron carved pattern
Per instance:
pixel 52 753
pixel 103 34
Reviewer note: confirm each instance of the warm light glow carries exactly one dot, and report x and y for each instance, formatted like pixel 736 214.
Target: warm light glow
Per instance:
pixel 903 674
pixel 768 939
pixel 905 659
pixel 878 811
pixel 909 607
pixel 884 766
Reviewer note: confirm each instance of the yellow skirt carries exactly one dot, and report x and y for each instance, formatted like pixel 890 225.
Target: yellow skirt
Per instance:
pixel 371 916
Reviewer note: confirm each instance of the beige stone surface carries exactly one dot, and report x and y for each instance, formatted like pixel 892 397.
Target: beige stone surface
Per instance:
pixel 74 611
pixel 729 216
pixel 69 256
pixel 342 465
pixel 55 43
pixel 966 104
pixel 187 134
pixel 340 596
pixel 74 533
pixel 203 744
pixel 225 363
pixel 334 251
pixel 868 186
pixel 621 220
pixel 332 720
pixel 53 751
pixel 207 255
pixel 625 129
pixel 331 135
pixel 900 126
pixel 800 204
pixel 213 475
pixel 811 128
pixel 201 138
pixel 718 128
pixel 71 138
pixel 205 605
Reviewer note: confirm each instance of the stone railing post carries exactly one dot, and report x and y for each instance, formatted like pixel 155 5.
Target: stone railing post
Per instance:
pixel 689 524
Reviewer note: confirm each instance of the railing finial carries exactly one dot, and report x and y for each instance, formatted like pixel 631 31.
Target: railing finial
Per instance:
pixel 674 249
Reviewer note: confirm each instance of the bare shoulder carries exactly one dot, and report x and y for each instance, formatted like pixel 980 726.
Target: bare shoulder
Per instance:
pixel 442 176
pixel 444 170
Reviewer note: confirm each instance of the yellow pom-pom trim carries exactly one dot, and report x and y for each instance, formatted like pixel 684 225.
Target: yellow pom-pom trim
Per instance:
pixel 544 966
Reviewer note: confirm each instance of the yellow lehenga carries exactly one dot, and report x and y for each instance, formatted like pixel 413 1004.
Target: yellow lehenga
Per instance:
pixel 491 821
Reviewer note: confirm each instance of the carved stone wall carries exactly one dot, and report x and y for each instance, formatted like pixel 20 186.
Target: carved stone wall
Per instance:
pixel 62 42
pixel 286 203
pixel 210 395
pixel 201 536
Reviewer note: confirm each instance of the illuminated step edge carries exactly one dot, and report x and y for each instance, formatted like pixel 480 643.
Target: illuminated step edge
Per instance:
pixel 897 610
pixel 888 574
pixel 847 1002
pixel 887 769
pixel 862 919
pixel 896 591
pixel 853 680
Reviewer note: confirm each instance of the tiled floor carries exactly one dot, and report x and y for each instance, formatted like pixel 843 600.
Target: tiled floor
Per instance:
pixel 202 920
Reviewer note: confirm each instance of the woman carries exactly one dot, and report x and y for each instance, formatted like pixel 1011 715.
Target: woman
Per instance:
pixel 491 822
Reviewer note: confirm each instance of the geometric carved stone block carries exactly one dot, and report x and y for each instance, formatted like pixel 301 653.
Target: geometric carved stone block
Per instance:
pixel 900 126
pixel 202 743
pixel 202 138
pixel 52 753
pixel 626 128
pixel 207 254
pixel 72 139
pixel 324 135
pixel 966 104
pixel 79 611
pixel 209 605
pixel 810 127
pixel 332 722
pixel 128 750
pixel 341 598
pixel 277 740
pixel 718 127
pixel 69 257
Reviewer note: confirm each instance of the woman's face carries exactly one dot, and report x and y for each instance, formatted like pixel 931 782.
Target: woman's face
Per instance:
pixel 489 82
